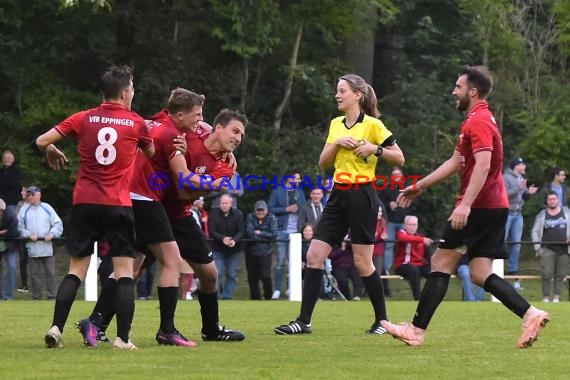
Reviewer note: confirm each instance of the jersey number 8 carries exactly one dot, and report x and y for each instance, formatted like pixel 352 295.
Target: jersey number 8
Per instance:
pixel 106 152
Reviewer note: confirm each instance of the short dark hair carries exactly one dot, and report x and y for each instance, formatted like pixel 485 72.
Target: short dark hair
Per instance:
pixel 552 192
pixel 114 80
pixel 182 99
pixel 555 171
pixel 478 77
pixel 226 115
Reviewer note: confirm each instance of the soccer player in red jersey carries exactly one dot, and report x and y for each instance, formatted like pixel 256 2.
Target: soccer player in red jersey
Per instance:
pixel 108 138
pixel 152 226
pixel 205 156
pixel 476 226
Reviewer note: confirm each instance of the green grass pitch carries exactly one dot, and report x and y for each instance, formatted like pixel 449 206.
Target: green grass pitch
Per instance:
pixel 465 341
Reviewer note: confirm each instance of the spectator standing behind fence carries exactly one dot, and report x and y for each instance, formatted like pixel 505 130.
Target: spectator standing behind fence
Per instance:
pixel 312 211
pixel 285 202
pixel 411 260
pixel 260 225
pixel 380 235
pixel 203 215
pixel 308 231
pixel 471 292
pixel 145 281
pixel 327 189
pixel 227 229
pixel 38 220
pixel 551 227
pixel 556 184
pixel 394 213
pixel 235 190
pixel 8 250
pixel 343 269
pixel 517 192
pixel 10 180
pixel 23 252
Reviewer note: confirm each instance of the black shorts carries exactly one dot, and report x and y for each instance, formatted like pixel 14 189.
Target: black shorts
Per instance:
pixel 484 234
pixel 89 223
pixel 191 241
pixel 355 209
pixel 151 223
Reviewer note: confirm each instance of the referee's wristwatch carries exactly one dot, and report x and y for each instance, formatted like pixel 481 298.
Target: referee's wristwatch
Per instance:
pixel 379 151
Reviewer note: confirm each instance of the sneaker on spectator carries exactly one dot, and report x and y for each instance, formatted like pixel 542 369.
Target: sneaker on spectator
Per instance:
pixel 276 295
pixel 89 332
pixel 293 327
pixel 533 322
pixel 188 296
pixel 546 299
pixel 356 298
pixel 556 299
pixel 224 335
pixel 23 289
pixel 376 328
pixel 174 339
pixel 122 345
pixel 407 333
pixel 517 286
pixel 54 338
pixel 102 337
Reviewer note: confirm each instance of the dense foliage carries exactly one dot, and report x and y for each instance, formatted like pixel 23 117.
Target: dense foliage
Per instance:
pixel 278 61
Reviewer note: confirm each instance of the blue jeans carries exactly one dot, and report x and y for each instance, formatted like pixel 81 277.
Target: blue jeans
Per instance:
pixel 389 247
pixel 228 262
pixel 471 292
pixel 282 248
pixel 144 284
pixel 513 232
pixel 7 293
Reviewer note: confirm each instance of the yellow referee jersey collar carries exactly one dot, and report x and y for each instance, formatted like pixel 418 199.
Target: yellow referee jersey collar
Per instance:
pixel 359 120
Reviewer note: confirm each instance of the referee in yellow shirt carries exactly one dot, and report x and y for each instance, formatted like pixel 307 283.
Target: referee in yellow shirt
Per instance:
pixel 354 144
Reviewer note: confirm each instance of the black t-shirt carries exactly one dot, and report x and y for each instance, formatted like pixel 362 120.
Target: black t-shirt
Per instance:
pixel 555 230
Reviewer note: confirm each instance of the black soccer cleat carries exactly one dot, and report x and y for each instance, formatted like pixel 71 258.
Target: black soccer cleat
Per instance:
pixel 293 327
pixel 224 335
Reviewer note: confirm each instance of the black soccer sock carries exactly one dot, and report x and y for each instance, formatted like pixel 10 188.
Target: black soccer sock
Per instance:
pixel 125 306
pixel 432 294
pixel 311 290
pixel 167 300
pixel 105 305
pixel 375 290
pixel 64 299
pixel 505 293
pixel 209 312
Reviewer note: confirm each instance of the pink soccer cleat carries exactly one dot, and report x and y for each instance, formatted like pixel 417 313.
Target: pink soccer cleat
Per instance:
pixel 533 322
pixel 407 333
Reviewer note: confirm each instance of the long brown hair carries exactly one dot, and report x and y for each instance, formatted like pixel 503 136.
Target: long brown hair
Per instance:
pixel 368 102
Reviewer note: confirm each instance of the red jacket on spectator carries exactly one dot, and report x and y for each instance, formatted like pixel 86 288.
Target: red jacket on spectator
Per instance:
pixel 378 235
pixel 410 249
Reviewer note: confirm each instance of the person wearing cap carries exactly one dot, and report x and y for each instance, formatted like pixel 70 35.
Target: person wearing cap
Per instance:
pixel 518 193
pixel 260 227
pixel 39 223
pixel 8 250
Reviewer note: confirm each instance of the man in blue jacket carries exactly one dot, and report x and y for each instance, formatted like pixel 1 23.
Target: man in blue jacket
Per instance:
pixel 285 202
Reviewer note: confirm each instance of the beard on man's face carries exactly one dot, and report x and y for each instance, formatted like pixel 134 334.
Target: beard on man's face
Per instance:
pixel 463 103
